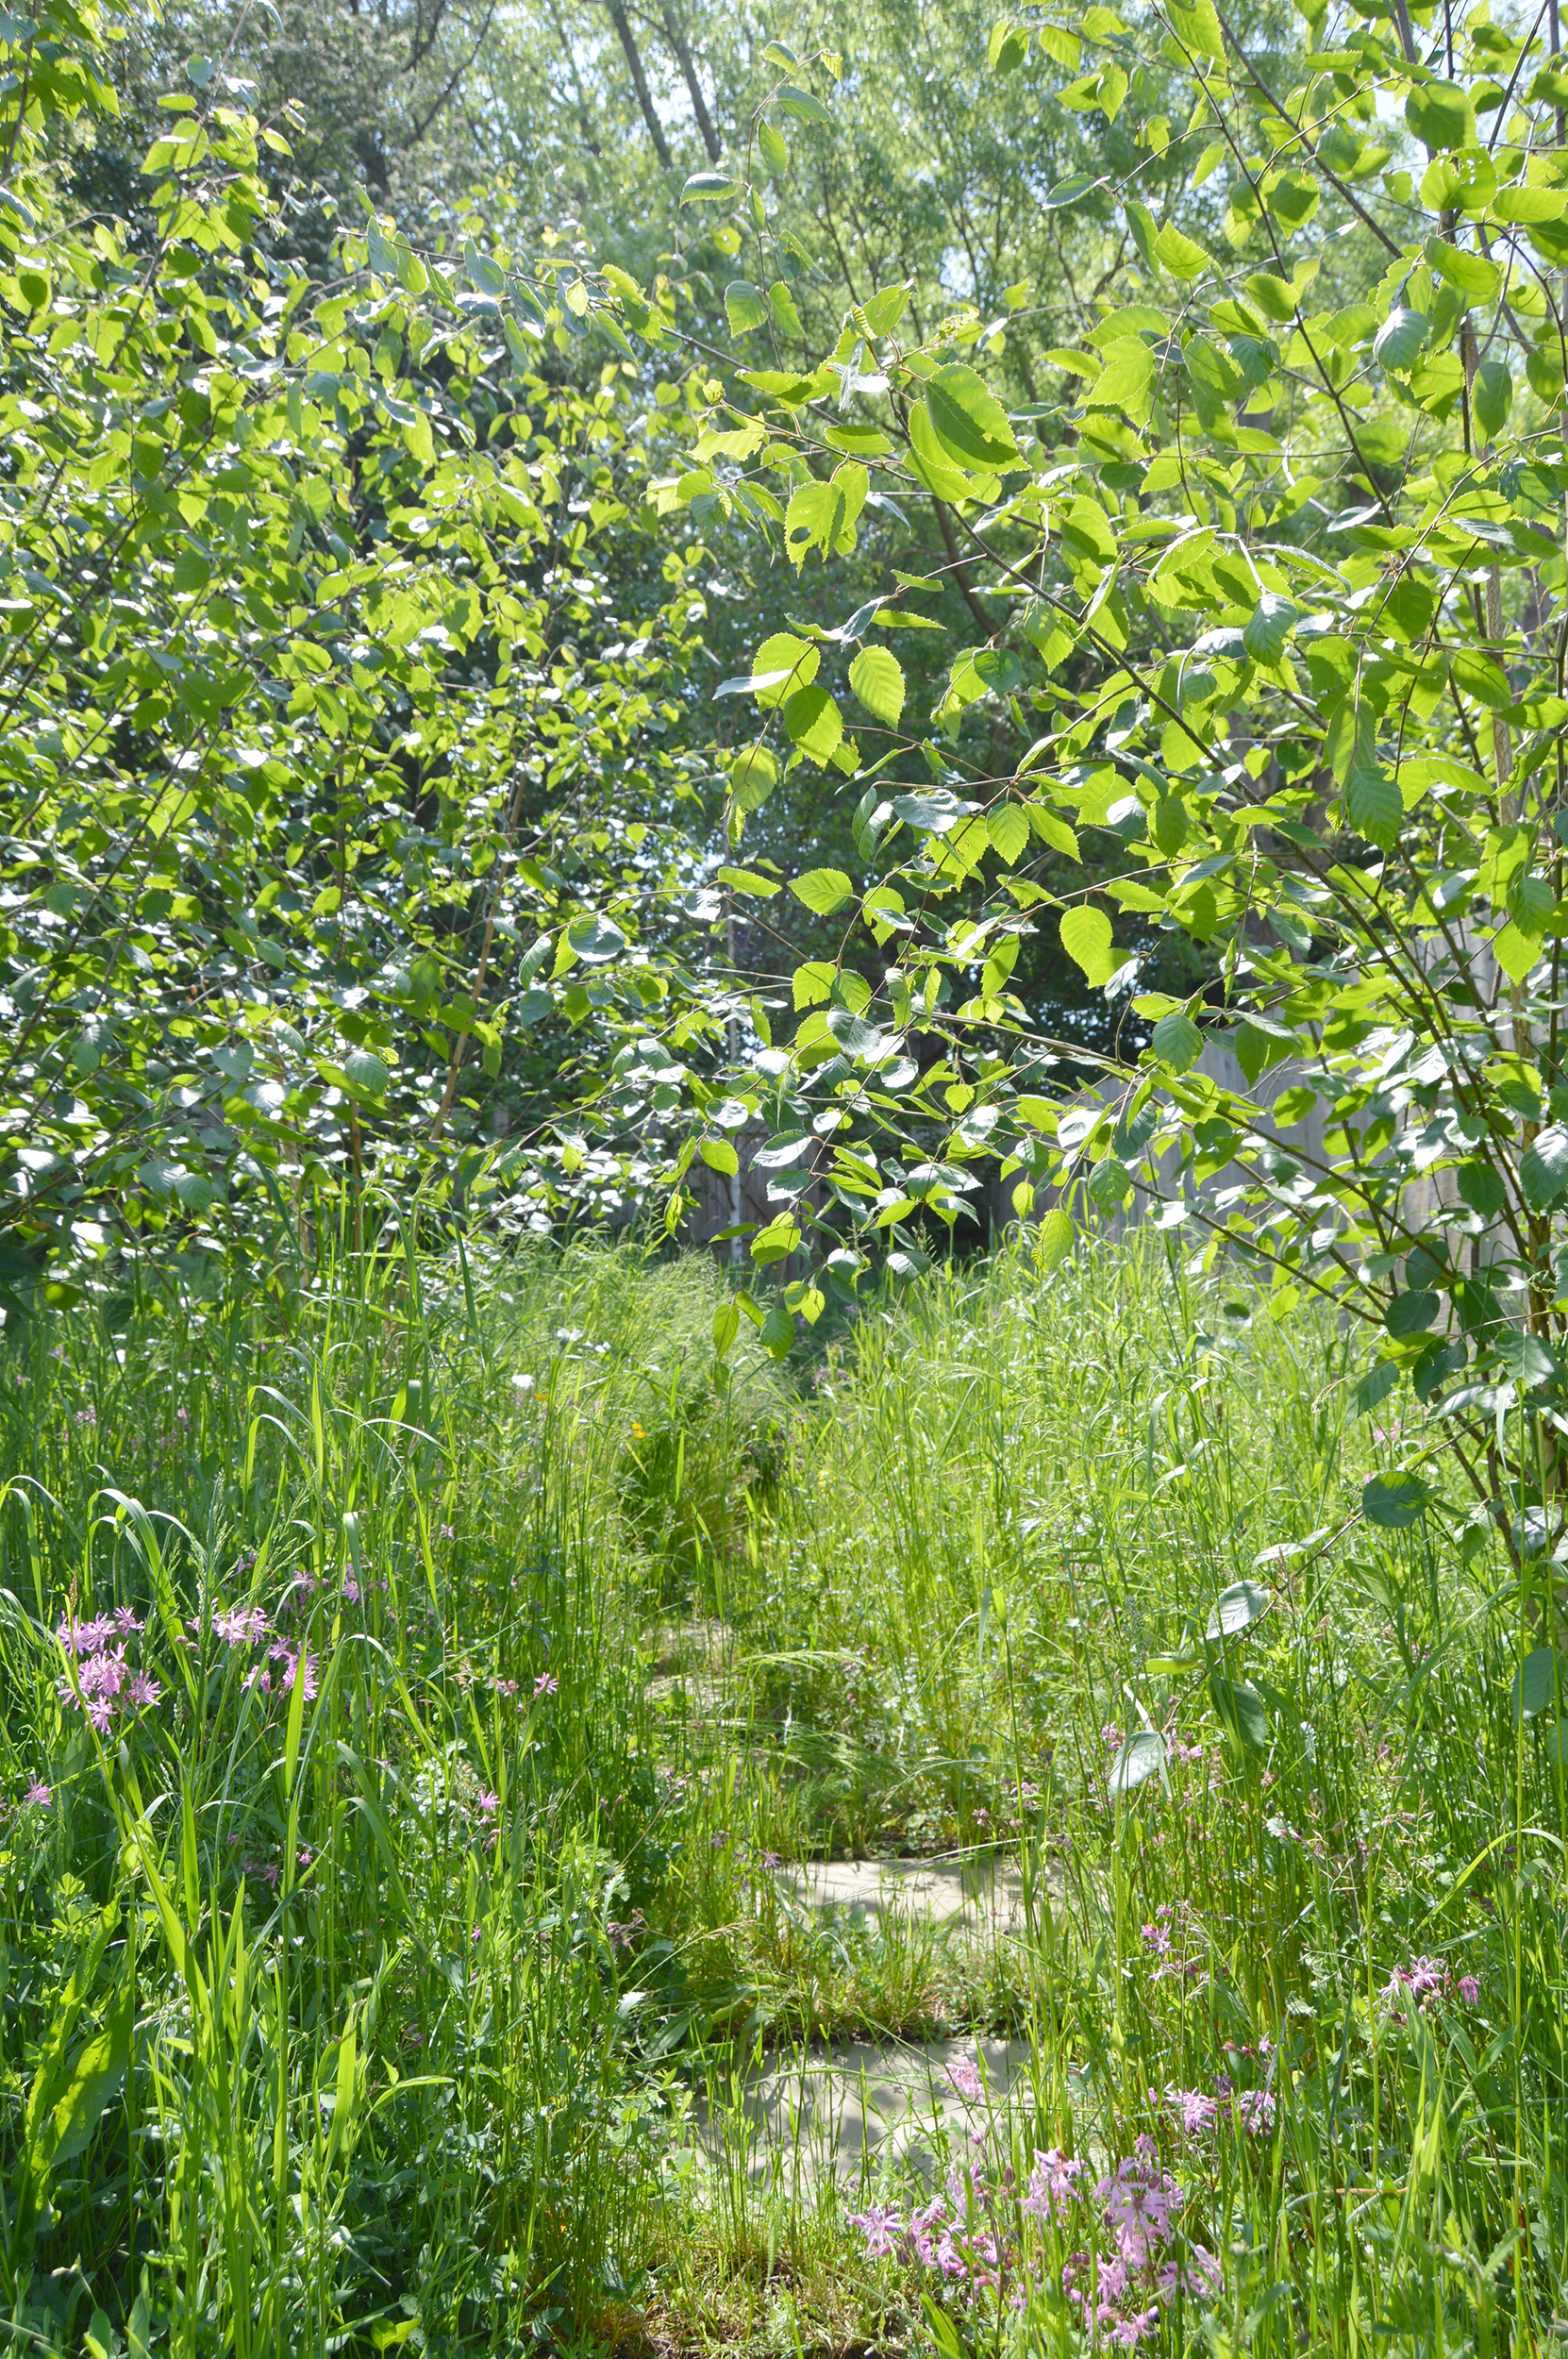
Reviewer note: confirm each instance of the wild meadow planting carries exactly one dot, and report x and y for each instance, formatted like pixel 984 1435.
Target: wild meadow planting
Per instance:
pixel 423 1700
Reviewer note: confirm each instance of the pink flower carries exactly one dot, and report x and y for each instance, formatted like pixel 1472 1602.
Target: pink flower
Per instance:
pixel 1140 2201
pixel 1197 2110
pixel 1053 2184
pixel 105 1674
pixel 1469 1989
pixel 240 1625
pixel 965 2081
pixel 143 1692
pixel 881 2227
pixel 1255 2109
pixel 1421 1978
pixel 351 1589
pixel 85 1638
pixel 39 1795
pixel 489 1803
pixel 100 1713
pixel 1201 2276
pixel 546 1684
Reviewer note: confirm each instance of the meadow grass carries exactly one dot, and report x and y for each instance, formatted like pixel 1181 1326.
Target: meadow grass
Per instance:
pixel 419 1685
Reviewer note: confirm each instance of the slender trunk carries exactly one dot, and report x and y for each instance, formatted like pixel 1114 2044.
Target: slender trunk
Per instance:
pixel 585 119
pixel 688 66
pixel 957 567
pixel 639 80
pixel 734 1046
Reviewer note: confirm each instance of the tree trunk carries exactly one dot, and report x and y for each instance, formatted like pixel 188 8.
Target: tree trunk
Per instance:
pixel 688 66
pixel 639 80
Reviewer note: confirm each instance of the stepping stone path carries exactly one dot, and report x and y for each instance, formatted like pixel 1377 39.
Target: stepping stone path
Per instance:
pixel 838 2110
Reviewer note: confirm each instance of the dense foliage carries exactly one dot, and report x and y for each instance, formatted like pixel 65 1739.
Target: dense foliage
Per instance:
pixel 1283 578
pixel 337 682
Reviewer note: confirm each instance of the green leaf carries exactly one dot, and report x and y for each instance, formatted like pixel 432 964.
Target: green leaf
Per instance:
pixel 1402 339
pixel 800 104
pixel 886 309
pixel 596 940
pixel 775 152
pixel 877 678
pixel 968 422
pixel 1474 277
pixel 482 271
pixel 1007 827
pixel 1180 254
pixel 1053 1237
pixel 1055 831
pixel 747 880
pixel 1241 1712
pixel 1178 1041
pixel 1394 1501
pixel 1272 622
pixel 753 776
pixel 1516 952
pixel 1491 396
pixel 822 891
pixel 782 303
pixel 1441 116
pixel 1236 1609
pixel 814 723
pixel 745 307
pixel 1196 25
pixel 1086 937
pixel 706 188
pixel 1141 1755
pixel 795 661
pixel 720 1156
pixel 1410 1313
pixel 1373 804
pixel 1274 297
pixel 367 1072
pixel 823 516
pixel 97 2070
pixel 1543 1168
pixel 1123 383
pixel 1537 1683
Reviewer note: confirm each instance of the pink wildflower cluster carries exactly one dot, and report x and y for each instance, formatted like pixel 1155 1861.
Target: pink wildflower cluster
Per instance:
pixel 247 1626
pixel 1118 2285
pixel 1252 2110
pixel 106 1685
pixel 1160 1939
pixel 1426 1980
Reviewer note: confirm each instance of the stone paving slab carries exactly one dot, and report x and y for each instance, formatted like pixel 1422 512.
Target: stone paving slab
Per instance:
pixel 973 1892
pixel 835 2112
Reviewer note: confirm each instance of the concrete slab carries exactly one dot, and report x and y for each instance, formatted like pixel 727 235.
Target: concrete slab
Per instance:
pixel 841 2111
pixel 973 1892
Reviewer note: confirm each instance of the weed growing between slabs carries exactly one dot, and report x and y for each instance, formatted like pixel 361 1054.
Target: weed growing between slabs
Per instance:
pixel 419 1694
